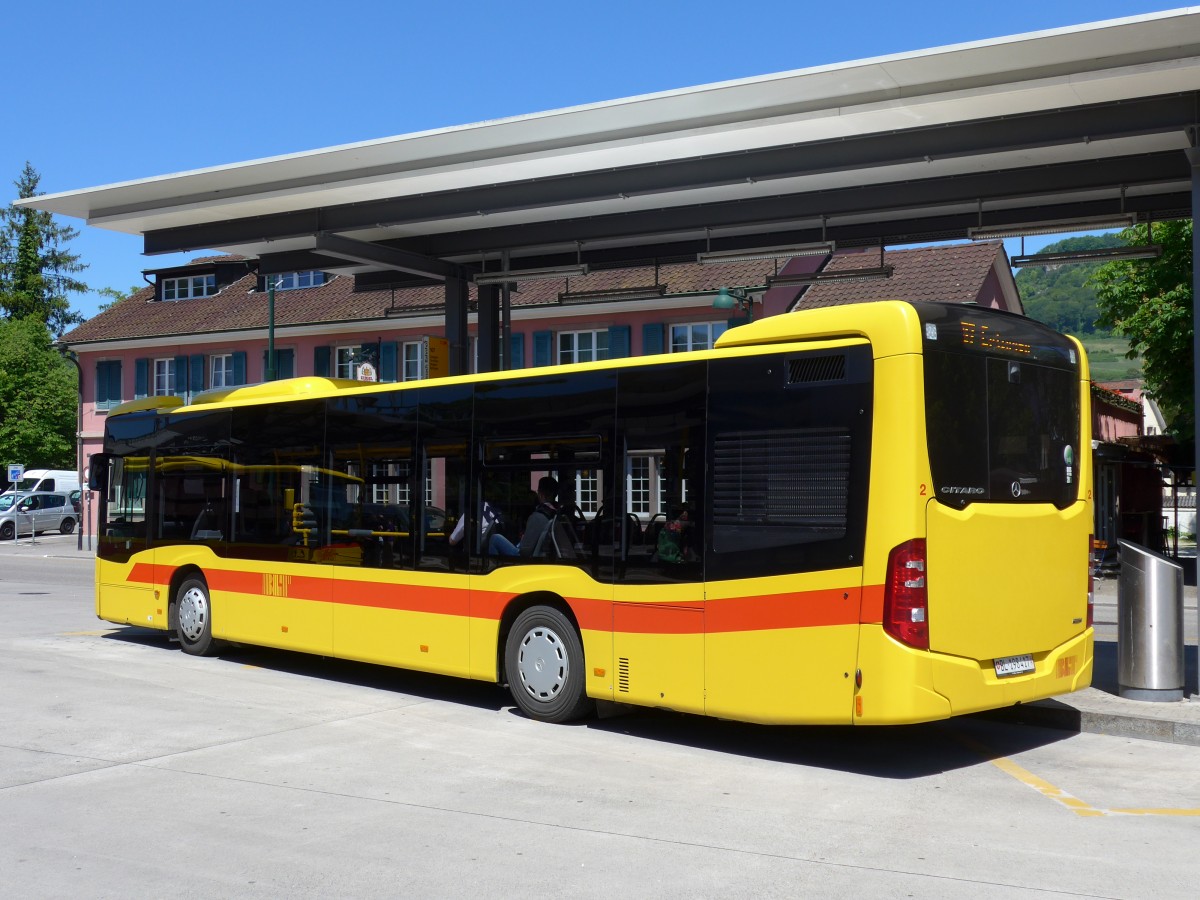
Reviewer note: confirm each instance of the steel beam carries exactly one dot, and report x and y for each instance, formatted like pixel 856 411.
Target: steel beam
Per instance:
pixel 341 247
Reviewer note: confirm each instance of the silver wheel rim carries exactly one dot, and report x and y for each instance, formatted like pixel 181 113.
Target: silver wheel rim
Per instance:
pixel 542 664
pixel 193 614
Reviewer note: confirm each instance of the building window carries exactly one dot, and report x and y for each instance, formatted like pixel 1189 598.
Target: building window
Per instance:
pixel 587 491
pixel 639 485
pixel 287 281
pixel 187 288
pixel 582 346
pixel 108 384
pixel 164 377
pixel 696 336
pixel 345 362
pixel 222 371
pixel 413 361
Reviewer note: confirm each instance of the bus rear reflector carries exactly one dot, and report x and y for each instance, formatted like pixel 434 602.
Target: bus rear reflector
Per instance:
pixel 1091 610
pixel 905 595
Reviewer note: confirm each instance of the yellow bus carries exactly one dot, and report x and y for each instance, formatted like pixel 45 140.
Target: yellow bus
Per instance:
pixel 869 514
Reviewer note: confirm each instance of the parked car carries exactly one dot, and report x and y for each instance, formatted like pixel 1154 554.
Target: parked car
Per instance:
pixel 36 512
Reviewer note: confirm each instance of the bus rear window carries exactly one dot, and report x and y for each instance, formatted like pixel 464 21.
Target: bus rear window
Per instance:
pixel 1002 419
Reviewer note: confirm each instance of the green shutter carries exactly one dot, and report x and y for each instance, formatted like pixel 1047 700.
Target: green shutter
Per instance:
pixel 543 348
pixel 389 355
pixel 618 341
pixel 180 385
pixel 239 367
pixel 285 363
pixel 196 374
pixel 321 361
pixel 653 338
pixel 141 378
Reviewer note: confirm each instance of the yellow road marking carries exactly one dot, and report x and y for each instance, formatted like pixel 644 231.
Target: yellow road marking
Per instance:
pixel 1046 789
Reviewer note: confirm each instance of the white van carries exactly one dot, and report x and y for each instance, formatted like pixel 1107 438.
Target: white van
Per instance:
pixel 62 480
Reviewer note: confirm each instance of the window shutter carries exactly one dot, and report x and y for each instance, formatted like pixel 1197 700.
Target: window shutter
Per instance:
pixel 734 323
pixel 285 363
pixel 653 337
pixel 141 378
pixel 543 348
pixel 321 361
pixel 196 374
pixel 180 376
pixel 239 367
pixel 618 341
pixel 389 352
pixel 517 351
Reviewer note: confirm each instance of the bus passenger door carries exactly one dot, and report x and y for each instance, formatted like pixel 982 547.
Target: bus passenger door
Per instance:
pixel 788 469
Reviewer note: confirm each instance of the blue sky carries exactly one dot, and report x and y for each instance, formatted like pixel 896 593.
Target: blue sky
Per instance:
pixel 99 93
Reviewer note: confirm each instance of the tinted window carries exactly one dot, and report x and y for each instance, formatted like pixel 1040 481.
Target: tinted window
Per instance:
pixel 660 525
pixel 789 451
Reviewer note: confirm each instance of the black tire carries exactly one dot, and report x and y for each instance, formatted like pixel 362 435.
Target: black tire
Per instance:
pixel 543 661
pixel 193 617
pixel 67 526
pixel 7 531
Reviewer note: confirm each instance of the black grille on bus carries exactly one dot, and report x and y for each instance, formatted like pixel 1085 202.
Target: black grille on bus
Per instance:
pixel 807 369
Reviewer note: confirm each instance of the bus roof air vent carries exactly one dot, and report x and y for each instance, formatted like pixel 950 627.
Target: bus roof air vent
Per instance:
pixel 807 369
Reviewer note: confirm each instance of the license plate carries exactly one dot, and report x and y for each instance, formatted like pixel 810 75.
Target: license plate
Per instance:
pixel 1014 665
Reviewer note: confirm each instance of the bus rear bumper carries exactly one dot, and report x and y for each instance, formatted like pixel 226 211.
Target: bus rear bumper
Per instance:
pixel 972 685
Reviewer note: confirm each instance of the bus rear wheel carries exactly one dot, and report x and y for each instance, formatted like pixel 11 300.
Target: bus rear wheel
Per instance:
pixel 543 661
pixel 193 615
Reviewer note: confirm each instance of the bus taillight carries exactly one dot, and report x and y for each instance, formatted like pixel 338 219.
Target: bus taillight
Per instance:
pixel 1091 610
pixel 905 596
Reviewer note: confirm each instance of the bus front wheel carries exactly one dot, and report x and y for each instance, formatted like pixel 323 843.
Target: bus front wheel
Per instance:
pixel 193 613
pixel 543 660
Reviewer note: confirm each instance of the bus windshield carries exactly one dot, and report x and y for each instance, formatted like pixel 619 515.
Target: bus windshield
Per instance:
pixel 1002 409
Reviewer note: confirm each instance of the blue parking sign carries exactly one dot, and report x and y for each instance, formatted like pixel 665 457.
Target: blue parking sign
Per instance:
pixel 16 472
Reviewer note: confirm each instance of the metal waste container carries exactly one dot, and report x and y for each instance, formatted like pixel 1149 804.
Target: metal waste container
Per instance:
pixel 1149 625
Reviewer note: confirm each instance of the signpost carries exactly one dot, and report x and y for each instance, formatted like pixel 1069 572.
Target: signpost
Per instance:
pixel 16 471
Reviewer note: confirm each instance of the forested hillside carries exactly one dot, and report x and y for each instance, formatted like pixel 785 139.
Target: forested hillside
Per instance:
pixel 1060 295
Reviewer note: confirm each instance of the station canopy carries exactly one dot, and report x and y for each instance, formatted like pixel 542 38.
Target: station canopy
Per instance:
pixel 1075 126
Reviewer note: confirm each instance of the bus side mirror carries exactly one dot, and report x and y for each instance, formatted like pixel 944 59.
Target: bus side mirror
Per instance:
pixel 98 472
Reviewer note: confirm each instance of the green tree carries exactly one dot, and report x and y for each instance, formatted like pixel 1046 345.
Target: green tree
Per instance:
pixel 38 396
pixel 1150 302
pixel 37 268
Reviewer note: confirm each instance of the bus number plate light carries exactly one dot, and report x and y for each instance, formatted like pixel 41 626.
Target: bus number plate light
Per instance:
pixel 1014 665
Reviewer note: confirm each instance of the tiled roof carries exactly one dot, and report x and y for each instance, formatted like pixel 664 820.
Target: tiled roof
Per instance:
pixel 240 306
pixel 952 273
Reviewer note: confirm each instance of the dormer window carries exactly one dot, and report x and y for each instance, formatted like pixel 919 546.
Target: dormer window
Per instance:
pixel 287 281
pixel 187 288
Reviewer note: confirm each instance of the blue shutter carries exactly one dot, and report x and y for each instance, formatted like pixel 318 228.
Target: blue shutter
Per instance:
pixel 239 367
pixel 285 363
pixel 543 348
pixel 517 350
pixel 108 384
pixel 196 374
pixel 180 385
pixel 653 338
pixel 267 364
pixel 321 361
pixel 618 342
pixel 141 378
pixel 389 355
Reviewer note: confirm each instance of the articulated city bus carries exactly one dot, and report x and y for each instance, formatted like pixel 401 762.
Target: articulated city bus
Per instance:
pixel 871 514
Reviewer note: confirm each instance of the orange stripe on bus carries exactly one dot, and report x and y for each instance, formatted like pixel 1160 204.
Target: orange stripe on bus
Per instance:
pixel 798 609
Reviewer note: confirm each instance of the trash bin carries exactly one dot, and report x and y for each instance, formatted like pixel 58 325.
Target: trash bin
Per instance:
pixel 1149 625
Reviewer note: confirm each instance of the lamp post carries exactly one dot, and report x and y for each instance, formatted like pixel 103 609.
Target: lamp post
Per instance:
pixel 735 298
pixel 270 373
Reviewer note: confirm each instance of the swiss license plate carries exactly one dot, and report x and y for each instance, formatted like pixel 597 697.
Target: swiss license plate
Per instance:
pixel 1014 665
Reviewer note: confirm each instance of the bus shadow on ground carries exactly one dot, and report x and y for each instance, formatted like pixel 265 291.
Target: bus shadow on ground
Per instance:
pixel 894 752
pixel 897 752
